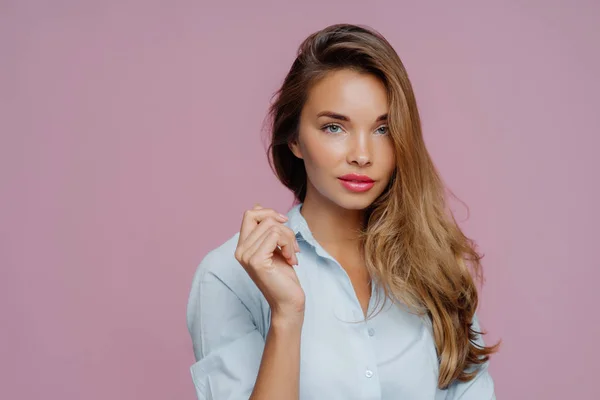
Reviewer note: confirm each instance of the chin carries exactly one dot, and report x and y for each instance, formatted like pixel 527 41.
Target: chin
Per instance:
pixel 355 201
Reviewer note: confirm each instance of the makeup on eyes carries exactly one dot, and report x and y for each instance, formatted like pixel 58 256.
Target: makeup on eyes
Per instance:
pixel 334 125
pixel 344 118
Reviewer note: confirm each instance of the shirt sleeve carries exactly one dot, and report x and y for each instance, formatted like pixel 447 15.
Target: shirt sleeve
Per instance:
pixel 481 387
pixel 227 344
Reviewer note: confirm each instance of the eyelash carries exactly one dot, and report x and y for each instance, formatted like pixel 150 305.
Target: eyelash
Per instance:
pixel 338 126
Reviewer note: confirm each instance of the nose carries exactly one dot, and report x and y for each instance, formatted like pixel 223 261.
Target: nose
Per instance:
pixel 359 151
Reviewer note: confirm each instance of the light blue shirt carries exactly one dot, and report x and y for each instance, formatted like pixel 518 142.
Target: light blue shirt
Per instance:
pixel 391 356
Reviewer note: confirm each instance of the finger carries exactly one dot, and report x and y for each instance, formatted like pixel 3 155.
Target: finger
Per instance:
pixel 257 233
pixel 286 243
pixel 279 240
pixel 258 249
pixel 296 244
pixel 271 223
pixel 294 247
pixel 253 217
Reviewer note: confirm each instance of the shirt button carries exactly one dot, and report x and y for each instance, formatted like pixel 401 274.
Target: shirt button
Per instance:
pixel 369 373
pixel 371 332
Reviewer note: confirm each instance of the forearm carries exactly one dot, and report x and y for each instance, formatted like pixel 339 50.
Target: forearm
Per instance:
pixel 279 372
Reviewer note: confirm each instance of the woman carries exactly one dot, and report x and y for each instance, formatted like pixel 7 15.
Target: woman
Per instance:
pixel 363 290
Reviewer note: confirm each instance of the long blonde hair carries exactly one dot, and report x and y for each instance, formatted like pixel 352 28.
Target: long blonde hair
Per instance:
pixel 412 243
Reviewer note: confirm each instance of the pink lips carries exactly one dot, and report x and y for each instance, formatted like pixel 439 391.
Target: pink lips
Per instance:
pixel 356 182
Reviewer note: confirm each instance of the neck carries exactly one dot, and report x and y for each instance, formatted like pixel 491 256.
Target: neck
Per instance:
pixel 331 225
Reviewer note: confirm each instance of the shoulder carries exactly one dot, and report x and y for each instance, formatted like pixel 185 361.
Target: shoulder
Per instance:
pixel 220 269
pixel 220 261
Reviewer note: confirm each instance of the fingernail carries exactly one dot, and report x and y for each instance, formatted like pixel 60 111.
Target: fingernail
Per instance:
pixel 283 217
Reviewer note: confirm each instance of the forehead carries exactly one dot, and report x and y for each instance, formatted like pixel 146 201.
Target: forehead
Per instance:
pixel 356 95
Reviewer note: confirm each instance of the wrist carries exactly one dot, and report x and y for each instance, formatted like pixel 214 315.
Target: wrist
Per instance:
pixel 287 322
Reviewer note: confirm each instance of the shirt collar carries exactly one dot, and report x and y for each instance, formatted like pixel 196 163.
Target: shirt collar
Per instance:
pixel 297 223
pixel 299 226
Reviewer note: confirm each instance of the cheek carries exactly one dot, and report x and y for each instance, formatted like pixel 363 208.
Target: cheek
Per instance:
pixel 385 153
pixel 323 153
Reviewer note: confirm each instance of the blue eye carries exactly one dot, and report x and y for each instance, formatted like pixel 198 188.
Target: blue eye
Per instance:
pixel 333 126
pixel 385 130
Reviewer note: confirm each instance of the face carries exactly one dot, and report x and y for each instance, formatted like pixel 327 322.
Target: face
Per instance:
pixel 343 131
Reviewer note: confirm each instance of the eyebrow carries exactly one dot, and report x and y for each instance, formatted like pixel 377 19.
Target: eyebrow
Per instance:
pixel 341 117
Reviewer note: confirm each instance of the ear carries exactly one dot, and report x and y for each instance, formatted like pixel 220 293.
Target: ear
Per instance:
pixel 295 149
